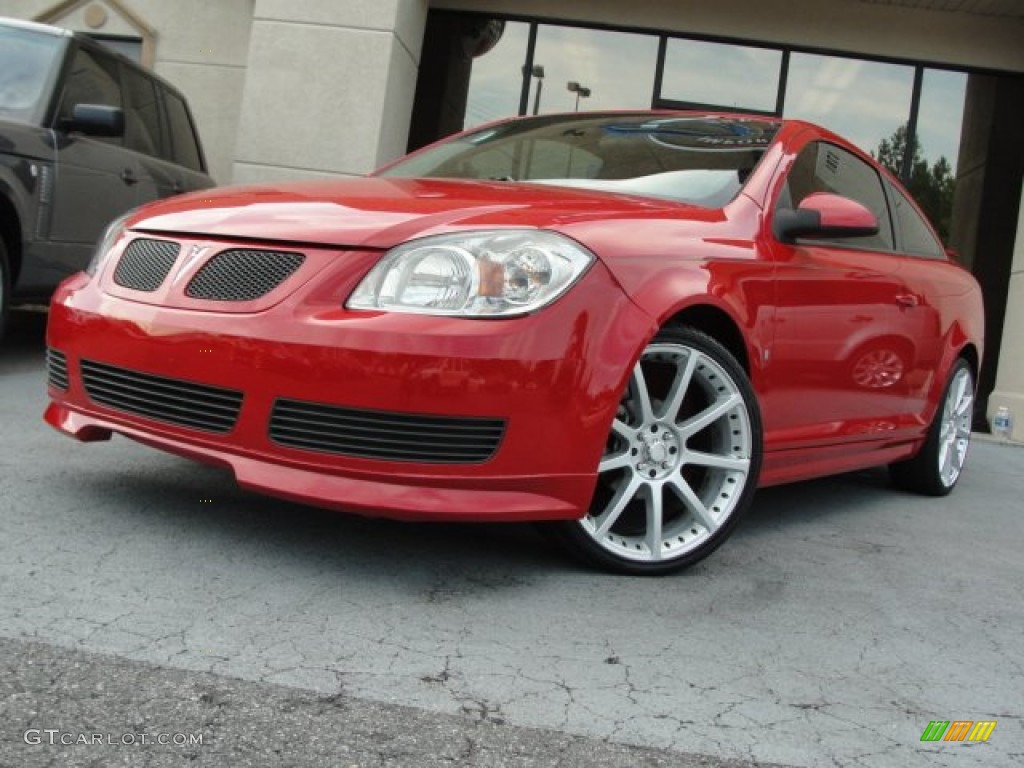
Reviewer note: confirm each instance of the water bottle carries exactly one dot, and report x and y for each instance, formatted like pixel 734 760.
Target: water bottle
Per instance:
pixel 1002 423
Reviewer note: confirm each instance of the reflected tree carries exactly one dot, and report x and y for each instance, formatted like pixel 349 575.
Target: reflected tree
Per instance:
pixel 930 185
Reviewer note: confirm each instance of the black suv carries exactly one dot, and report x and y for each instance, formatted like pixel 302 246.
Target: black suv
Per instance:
pixel 85 135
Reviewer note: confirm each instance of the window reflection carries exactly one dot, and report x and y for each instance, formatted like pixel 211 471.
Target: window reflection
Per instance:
pixel 729 76
pixel 497 77
pixel 941 114
pixel 616 67
pixel 864 101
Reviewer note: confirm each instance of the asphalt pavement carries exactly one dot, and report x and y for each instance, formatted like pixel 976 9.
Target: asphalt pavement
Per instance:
pixel 146 598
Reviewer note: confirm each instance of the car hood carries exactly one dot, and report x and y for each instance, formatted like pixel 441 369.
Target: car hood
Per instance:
pixel 382 212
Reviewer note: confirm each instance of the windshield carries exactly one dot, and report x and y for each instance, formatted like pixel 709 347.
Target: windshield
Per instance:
pixel 702 160
pixel 28 64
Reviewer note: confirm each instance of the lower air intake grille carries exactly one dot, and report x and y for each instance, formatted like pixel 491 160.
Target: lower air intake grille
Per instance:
pixel 241 275
pixel 199 406
pixel 383 435
pixel 56 369
pixel 145 264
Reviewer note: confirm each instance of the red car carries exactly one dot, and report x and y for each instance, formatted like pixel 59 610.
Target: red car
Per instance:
pixel 619 324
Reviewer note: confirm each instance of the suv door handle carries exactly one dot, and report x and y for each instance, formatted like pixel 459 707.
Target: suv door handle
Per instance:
pixel 178 188
pixel 907 300
pixel 128 177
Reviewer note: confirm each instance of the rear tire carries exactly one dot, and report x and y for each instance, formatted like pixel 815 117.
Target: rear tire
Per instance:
pixel 681 462
pixel 937 467
pixel 5 287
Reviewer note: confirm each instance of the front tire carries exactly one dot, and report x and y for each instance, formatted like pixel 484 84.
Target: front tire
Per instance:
pixel 681 462
pixel 935 469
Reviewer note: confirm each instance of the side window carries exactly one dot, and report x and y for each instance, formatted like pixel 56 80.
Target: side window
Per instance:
pixel 917 236
pixel 183 137
pixel 142 114
pixel 92 79
pixel 822 167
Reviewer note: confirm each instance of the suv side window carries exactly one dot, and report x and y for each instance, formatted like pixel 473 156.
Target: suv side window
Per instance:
pixel 917 236
pixel 183 138
pixel 142 131
pixel 92 79
pixel 822 167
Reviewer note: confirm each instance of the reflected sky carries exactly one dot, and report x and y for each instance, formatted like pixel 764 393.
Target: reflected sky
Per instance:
pixel 733 76
pixel 864 101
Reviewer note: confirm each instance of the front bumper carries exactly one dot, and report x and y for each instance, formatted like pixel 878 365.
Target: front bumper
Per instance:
pixel 553 379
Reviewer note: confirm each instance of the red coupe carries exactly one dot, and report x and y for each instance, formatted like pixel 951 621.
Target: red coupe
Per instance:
pixel 618 324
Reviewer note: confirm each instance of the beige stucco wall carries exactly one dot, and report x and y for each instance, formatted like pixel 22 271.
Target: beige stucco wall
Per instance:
pixel 330 87
pixel 844 25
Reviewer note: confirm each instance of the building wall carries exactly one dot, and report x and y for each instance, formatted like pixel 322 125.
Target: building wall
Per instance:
pixel 355 63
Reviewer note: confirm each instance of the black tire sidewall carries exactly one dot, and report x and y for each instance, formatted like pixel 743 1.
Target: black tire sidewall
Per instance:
pixel 5 287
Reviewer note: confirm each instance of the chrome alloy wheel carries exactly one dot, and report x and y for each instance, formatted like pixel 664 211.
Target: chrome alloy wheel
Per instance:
pixel 678 458
pixel 955 428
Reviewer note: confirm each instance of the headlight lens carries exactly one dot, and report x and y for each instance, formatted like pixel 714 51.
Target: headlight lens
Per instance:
pixel 110 235
pixel 476 274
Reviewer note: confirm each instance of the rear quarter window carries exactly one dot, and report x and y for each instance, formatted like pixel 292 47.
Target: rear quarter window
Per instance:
pixel 917 237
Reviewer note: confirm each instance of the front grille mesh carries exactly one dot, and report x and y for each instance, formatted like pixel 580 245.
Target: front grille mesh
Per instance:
pixel 242 275
pixel 384 435
pixel 56 369
pixel 145 264
pixel 185 403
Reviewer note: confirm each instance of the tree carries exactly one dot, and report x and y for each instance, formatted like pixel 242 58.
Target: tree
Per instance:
pixel 931 186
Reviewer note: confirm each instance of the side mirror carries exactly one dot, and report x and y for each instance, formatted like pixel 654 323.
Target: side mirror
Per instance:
pixel 95 120
pixel 824 215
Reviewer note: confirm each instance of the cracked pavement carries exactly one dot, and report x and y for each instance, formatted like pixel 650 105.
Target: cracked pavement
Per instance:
pixel 839 620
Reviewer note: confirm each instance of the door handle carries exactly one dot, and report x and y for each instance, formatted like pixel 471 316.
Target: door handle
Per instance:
pixel 907 300
pixel 178 188
pixel 128 177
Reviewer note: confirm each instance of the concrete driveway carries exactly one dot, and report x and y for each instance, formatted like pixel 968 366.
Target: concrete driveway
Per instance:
pixel 141 592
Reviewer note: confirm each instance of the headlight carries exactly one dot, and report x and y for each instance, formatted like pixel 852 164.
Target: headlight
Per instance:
pixel 110 235
pixel 475 274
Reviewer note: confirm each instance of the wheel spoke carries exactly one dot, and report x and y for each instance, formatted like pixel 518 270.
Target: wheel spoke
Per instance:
pixel 718 462
pixel 655 518
pixel 623 495
pixel 622 429
pixel 642 396
pixel 615 461
pixel 964 406
pixel 680 386
pixel 686 495
pixel 709 415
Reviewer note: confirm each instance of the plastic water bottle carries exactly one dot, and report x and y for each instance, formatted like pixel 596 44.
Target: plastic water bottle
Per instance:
pixel 1002 423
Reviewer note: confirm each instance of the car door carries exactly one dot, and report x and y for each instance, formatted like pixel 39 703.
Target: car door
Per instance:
pixel 95 178
pixel 933 285
pixel 836 368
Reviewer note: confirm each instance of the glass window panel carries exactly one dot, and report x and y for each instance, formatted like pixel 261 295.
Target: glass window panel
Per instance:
pixel 941 114
pixel 863 101
pixel 616 67
pixel 932 179
pixel 729 76
pixel 496 80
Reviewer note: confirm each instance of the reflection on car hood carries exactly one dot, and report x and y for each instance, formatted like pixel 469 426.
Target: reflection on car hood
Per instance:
pixel 380 213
